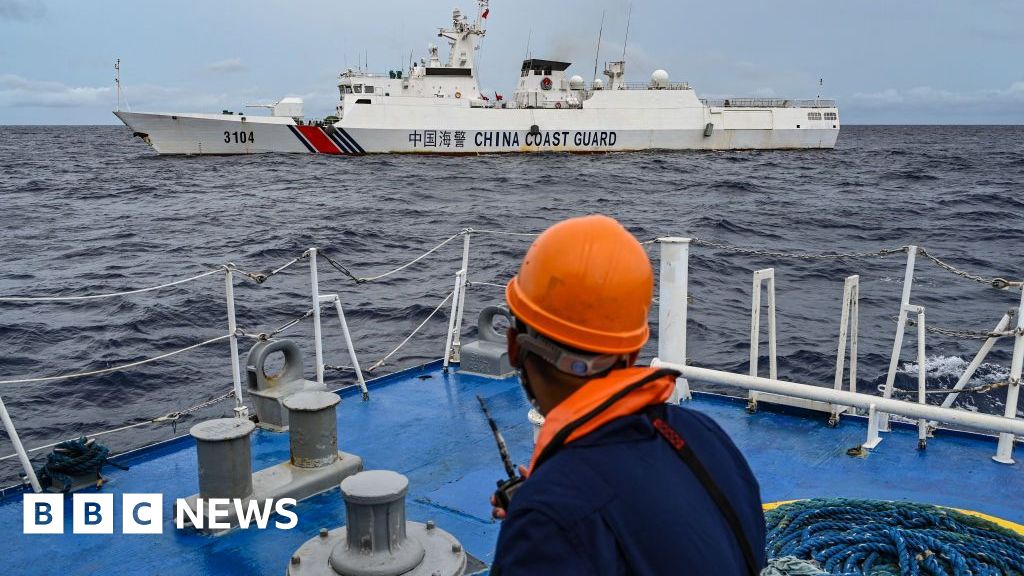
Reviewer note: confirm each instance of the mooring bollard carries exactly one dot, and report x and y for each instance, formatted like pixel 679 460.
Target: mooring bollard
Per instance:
pixel 225 457
pixel 313 432
pixel 376 532
pixel 378 541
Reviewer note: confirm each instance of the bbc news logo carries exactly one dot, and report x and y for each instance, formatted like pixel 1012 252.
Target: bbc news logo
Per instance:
pixel 144 513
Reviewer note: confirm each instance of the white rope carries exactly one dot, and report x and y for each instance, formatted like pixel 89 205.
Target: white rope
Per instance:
pixel 411 262
pixel 173 416
pixel 94 435
pixel 109 295
pixel 476 283
pixel 115 368
pixel 380 362
pixel 503 233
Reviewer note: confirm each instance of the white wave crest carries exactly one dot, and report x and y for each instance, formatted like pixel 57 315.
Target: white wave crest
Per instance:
pixel 952 367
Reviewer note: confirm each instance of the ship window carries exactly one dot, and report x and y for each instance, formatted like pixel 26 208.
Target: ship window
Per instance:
pixel 524 74
pixel 536 72
pixel 547 71
pixel 369 89
pixel 831 116
pixel 358 88
pixel 363 101
pixel 814 115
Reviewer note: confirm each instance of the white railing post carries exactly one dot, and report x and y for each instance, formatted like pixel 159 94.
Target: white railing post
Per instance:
pixel 351 348
pixel 314 281
pixel 760 277
pixel 451 320
pixel 457 341
pixel 12 433
pixel 922 424
pixel 1004 452
pixel 849 322
pixel 241 411
pixel 901 326
pixel 873 438
pixel 673 301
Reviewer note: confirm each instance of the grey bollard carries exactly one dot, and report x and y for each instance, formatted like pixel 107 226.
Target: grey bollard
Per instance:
pixel 376 543
pixel 225 457
pixel 313 428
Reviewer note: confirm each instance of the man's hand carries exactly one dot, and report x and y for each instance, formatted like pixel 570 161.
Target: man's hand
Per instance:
pixel 497 512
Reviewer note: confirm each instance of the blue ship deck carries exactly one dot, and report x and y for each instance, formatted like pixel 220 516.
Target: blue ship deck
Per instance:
pixel 427 425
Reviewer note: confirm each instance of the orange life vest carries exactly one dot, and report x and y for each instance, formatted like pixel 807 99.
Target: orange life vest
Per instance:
pixel 621 393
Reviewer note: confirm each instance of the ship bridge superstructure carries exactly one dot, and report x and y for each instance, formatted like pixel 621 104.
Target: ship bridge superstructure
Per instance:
pixel 454 80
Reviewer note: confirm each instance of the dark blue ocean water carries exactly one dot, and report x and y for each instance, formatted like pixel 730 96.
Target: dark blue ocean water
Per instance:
pixel 89 209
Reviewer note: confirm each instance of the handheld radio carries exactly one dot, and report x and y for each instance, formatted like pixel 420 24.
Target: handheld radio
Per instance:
pixel 506 488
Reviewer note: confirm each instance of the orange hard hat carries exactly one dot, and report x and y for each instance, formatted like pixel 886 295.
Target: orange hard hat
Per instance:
pixel 587 283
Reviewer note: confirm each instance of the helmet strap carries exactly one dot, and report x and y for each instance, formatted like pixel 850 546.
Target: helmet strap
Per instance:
pixel 568 361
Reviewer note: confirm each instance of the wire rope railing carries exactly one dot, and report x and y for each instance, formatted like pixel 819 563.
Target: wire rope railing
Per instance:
pixel 455 297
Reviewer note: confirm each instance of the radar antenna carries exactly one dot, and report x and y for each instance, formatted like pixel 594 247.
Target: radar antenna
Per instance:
pixel 629 17
pixel 600 33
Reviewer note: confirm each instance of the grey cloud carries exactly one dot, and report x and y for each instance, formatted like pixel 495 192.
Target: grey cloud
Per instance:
pixel 22 10
pixel 16 91
pixel 20 92
pixel 228 66
pixel 928 97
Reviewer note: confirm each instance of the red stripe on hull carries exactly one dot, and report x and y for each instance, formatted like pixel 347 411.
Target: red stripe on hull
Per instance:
pixel 315 135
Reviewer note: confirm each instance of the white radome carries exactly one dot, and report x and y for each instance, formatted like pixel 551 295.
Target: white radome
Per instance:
pixel 598 84
pixel 576 83
pixel 659 79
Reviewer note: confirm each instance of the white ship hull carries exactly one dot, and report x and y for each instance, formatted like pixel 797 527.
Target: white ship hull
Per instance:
pixel 454 130
pixel 438 108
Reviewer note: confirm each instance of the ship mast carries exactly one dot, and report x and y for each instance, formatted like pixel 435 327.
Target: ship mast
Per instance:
pixel 462 36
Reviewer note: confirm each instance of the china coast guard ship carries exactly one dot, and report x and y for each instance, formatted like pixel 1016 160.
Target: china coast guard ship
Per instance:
pixel 438 107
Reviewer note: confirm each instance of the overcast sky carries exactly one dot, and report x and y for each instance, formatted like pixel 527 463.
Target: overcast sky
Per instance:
pixel 886 61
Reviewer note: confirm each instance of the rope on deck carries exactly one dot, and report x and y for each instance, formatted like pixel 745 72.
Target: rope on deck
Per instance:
pixel 74 458
pixel 877 538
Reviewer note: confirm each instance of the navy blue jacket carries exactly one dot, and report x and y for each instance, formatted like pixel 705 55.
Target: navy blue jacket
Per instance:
pixel 621 501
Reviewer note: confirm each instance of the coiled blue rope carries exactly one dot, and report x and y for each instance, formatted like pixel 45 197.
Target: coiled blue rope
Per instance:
pixel 74 458
pixel 877 538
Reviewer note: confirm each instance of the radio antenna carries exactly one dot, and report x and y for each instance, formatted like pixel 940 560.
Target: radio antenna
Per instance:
pixel 629 16
pixel 117 82
pixel 600 33
pixel 529 38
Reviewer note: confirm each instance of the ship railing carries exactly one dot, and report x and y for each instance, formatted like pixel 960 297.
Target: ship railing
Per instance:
pixel 230 273
pixel 649 86
pixel 766 103
pixel 673 304
pixel 673 298
pixel 672 344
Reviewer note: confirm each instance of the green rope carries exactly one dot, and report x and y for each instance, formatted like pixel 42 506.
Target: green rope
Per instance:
pixel 877 538
pixel 74 458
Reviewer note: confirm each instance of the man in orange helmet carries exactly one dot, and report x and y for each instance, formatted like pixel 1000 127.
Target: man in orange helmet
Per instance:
pixel 619 482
